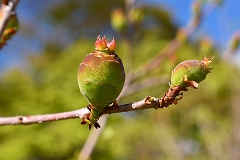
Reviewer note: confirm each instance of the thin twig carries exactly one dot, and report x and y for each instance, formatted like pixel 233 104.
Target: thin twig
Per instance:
pixel 43 118
pixel 18 120
pixel 172 95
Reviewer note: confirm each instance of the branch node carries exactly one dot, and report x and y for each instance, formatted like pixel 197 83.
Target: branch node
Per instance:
pixel 20 119
pixel 148 100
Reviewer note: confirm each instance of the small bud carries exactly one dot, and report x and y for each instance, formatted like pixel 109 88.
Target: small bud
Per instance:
pixel 197 14
pixel 190 72
pixel 235 42
pixel 182 35
pixel 196 8
pixel 136 15
pixel 118 20
pixel 206 45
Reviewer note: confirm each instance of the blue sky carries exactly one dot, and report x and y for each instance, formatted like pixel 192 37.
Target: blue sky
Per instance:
pixel 220 25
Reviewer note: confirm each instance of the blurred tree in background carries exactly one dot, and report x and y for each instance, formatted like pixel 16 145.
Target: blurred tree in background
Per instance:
pixel 204 125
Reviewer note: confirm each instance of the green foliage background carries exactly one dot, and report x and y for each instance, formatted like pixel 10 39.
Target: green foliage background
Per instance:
pixel 202 126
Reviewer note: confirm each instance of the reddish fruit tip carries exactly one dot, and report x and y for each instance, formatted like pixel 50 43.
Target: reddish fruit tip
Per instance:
pixel 111 45
pixel 207 60
pixel 105 46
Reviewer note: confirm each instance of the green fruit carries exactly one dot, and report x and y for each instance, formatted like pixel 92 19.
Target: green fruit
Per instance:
pixel 190 72
pixel 101 78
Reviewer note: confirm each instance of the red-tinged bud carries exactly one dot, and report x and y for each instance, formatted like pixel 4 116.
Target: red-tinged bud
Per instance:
pixel 218 2
pixel 181 35
pixel 197 14
pixel 118 20
pixel 196 8
pixel 190 72
pixel 206 45
pixel 136 15
pixel 235 42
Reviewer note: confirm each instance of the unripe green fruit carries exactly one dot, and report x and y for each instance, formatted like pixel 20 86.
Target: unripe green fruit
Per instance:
pixel 101 77
pixel 190 72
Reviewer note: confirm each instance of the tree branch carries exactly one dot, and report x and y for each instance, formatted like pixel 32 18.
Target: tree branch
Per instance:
pixel 148 102
pixel 170 97
pixel 43 118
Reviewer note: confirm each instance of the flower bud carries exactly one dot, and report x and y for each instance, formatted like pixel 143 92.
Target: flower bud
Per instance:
pixel 190 72
pixel 118 20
